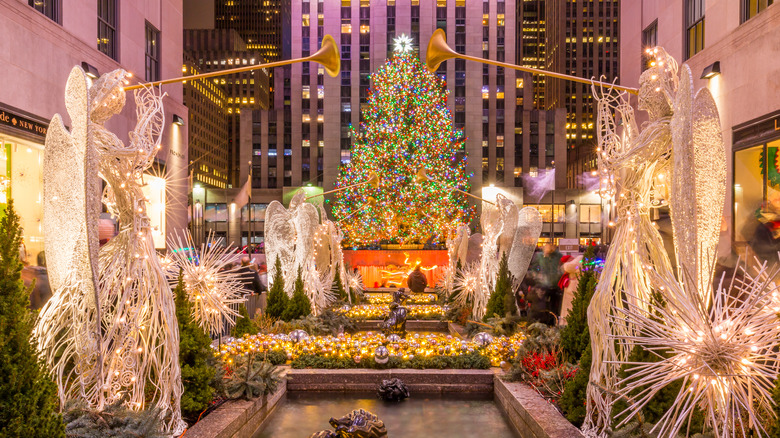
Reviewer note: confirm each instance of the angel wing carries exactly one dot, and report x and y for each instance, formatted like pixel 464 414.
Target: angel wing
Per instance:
pixel 71 192
pixel 527 234
pixel 279 237
pixel 71 203
pixel 510 216
pixel 305 220
pixel 698 188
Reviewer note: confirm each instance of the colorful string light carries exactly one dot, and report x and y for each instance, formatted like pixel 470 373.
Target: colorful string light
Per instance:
pixel 407 127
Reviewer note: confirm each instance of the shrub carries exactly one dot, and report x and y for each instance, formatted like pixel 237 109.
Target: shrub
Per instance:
pixel 29 398
pixel 252 379
pixel 544 371
pixel 244 326
pixel 338 287
pixel 575 335
pixel 465 361
pixel 195 358
pixel 115 421
pixel 277 297
pixel 299 305
pixel 502 300
pixel 574 397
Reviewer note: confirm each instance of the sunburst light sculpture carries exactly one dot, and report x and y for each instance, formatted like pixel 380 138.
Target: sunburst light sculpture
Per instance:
pixel 211 280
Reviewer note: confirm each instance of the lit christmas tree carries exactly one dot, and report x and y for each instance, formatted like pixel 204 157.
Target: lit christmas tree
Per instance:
pixel 407 130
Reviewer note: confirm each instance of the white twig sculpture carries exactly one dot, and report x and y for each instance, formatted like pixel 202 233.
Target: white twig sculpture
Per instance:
pixel 289 235
pixel 724 353
pixel 213 290
pixel 628 163
pixel 110 328
pixel 719 342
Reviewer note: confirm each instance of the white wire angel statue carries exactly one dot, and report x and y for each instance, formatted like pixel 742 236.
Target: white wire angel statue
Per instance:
pixel 290 236
pixel 629 164
pixel 110 329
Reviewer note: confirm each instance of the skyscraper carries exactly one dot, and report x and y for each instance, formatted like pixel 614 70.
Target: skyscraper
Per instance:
pixel 307 135
pixel 221 49
pixel 582 40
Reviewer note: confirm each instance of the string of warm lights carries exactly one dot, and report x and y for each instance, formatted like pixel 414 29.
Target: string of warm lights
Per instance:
pixel 380 311
pixel 375 298
pixel 408 125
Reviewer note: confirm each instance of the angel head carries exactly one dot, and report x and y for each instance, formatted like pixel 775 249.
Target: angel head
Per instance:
pixel 658 84
pixel 107 96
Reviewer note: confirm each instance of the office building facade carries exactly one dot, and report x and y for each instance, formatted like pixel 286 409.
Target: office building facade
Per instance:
pixel 44 40
pixel 732 48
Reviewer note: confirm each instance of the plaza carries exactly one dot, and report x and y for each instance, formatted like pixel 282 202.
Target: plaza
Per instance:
pixel 373 218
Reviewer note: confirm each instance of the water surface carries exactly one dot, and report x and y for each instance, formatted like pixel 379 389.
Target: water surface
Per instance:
pixel 422 415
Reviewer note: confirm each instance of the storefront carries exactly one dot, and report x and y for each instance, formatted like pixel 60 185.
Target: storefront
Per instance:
pixel 756 188
pixel 21 178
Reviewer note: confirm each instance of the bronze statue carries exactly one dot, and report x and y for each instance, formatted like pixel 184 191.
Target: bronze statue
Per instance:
pixel 395 323
pixel 357 424
pixel 393 390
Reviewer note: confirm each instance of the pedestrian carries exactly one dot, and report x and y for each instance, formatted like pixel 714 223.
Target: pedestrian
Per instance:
pixel 249 277
pixel 547 269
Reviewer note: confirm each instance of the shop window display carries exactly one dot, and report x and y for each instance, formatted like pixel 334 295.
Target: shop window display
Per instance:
pixel 756 206
pixel 20 173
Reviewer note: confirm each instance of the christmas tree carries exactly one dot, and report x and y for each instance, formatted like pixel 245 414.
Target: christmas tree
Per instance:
pixel 28 398
pixel 408 141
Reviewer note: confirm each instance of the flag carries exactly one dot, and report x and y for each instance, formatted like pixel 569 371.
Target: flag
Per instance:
pixel 245 194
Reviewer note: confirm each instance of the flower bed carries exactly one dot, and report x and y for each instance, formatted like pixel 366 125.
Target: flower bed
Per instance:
pixel 385 298
pixel 360 351
pixel 380 311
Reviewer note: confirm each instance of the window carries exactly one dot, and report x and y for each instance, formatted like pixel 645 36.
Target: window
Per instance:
pixel 694 19
pixel 749 8
pixel 756 189
pixel 107 27
pixel 546 211
pixel 590 214
pixel 649 39
pixel 152 53
pixel 49 8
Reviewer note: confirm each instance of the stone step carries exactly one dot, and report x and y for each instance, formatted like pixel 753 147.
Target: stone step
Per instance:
pixel 369 380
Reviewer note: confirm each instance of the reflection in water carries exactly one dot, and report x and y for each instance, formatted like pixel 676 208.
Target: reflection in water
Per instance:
pixel 422 415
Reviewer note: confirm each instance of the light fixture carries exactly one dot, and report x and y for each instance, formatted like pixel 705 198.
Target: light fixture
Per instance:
pixel 711 70
pixel 90 70
pixel 177 120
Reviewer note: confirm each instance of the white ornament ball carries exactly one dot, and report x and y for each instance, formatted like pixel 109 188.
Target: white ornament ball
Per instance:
pixel 381 355
pixel 483 339
pixel 298 335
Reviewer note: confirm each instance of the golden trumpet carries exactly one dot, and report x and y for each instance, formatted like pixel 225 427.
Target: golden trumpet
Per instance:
pixel 328 57
pixel 438 52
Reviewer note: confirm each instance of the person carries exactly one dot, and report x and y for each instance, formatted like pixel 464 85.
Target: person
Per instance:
pixel 765 240
pixel 547 268
pixel 417 281
pixel 249 277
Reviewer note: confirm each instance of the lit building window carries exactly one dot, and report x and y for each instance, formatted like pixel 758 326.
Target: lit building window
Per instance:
pixel 346 28
pixel 364 28
pixel 107 19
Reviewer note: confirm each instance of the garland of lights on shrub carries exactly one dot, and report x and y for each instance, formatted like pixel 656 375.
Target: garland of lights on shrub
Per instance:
pixel 407 128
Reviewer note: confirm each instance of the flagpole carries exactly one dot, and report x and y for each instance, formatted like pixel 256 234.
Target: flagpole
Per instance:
pixel 251 224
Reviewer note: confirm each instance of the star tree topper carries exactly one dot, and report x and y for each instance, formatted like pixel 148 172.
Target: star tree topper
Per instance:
pixel 403 43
